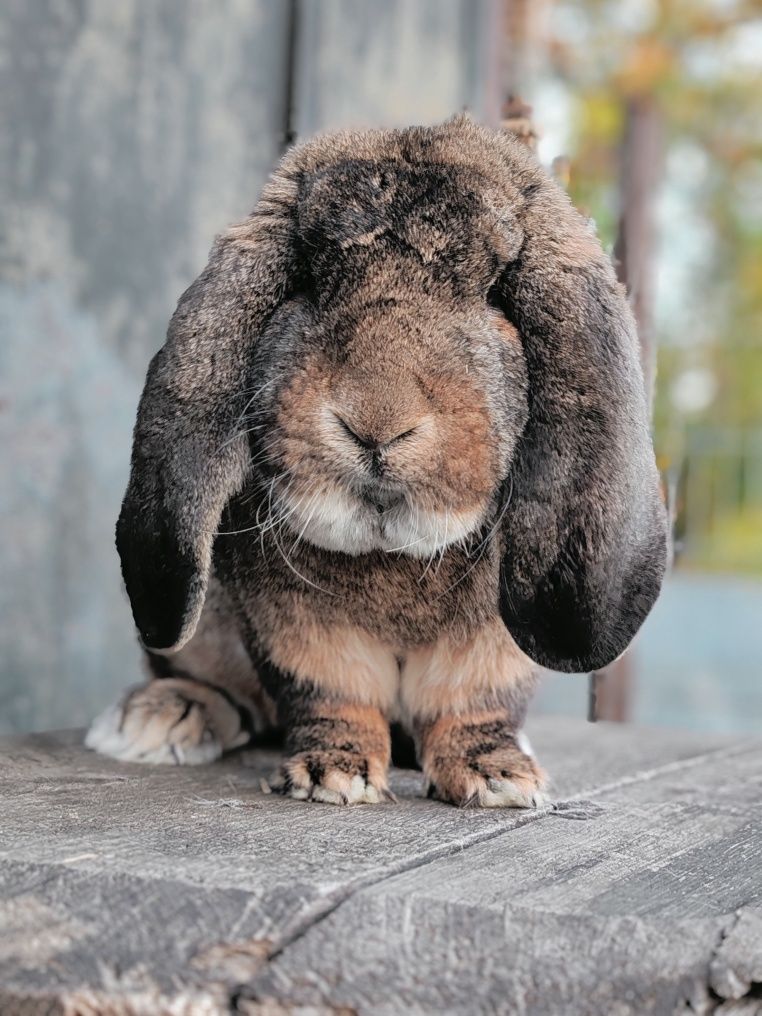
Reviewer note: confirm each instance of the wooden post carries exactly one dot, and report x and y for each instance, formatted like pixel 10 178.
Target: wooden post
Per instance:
pixel 641 173
pixel 611 689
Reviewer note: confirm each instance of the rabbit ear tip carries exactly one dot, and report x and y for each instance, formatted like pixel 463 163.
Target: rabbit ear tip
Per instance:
pixel 150 641
pixel 164 632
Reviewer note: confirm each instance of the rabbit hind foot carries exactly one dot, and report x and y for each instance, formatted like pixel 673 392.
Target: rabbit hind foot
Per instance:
pixel 174 721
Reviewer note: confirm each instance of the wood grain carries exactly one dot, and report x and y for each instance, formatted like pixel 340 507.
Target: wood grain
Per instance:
pixel 637 892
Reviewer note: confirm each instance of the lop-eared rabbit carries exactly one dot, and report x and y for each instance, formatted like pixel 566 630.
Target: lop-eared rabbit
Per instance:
pixel 394 453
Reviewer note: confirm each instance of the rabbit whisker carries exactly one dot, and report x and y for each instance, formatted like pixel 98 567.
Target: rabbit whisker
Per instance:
pixel 297 572
pixel 482 547
pixel 398 550
pixel 289 511
pixel 443 548
pixel 268 521
pixel 431 559
pixel 276 519
pixel 242 415
pixel 248 529
pixel 312 502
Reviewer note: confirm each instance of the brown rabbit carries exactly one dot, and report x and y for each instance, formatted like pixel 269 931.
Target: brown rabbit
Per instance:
pixel 394 449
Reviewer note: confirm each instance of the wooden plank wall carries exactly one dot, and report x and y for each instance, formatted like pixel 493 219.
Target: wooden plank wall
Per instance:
pixel 132 133
pixel 361 63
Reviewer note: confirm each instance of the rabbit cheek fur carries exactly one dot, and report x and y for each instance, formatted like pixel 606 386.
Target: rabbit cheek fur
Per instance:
pixel 405 396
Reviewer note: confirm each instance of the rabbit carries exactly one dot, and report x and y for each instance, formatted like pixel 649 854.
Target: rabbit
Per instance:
pixel 394 454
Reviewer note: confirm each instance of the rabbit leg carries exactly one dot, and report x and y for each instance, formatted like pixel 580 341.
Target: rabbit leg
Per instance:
pixel 200 702
pixel 336 720
pixel 466 703
pixel 338 753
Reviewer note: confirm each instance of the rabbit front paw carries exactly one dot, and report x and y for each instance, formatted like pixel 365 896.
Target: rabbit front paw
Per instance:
pixel 333 777
pixel 481 765
pixel 177 721
pixel 339 753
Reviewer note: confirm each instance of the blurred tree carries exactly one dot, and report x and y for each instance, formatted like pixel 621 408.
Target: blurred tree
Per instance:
pixel 672 89
pixel 689 72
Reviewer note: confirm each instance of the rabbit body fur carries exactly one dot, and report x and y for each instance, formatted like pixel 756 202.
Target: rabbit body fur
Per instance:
pixel 394 453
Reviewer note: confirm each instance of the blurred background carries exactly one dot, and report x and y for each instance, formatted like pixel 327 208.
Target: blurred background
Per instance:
pixel 132 132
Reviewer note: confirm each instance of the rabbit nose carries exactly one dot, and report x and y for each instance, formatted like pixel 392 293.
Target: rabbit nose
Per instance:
pixel 363 442
pixel 369 442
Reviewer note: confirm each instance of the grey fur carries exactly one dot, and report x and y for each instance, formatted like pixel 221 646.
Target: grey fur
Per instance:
pixel 454 220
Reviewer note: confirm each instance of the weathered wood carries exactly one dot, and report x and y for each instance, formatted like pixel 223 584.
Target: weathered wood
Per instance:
pixel 132 133
pixel 633 900
pixel 157 889
pixel 393 64
pixel 641 166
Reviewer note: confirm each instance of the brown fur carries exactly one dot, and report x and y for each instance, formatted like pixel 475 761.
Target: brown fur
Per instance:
pixel 393 598
pixel 217 655
pixel 468 757
pixel 338 753
pixel 182 714
pixel 342 662
pixel 399 416
pixel 455 677
pixel 383 391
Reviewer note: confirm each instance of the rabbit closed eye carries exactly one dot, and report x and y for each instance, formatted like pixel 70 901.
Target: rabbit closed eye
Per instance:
pixel 399 424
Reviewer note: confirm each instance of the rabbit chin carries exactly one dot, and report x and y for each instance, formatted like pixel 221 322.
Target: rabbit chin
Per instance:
pixel 340 521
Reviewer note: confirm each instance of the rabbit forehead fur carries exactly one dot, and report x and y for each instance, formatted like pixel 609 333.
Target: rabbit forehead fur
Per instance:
pixel 393 394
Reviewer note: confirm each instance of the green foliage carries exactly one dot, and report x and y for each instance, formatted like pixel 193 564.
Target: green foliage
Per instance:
pixel 700 60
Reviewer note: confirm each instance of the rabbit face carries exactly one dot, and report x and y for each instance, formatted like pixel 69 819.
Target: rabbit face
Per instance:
pixel 396 426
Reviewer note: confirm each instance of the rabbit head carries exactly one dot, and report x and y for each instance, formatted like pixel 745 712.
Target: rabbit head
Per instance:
pixel 414 337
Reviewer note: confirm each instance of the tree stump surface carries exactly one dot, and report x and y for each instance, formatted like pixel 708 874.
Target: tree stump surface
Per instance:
pixel 129 889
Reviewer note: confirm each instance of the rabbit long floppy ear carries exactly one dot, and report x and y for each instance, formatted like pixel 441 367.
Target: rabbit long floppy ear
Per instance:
pixel 189 455
pixel 585 527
